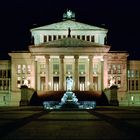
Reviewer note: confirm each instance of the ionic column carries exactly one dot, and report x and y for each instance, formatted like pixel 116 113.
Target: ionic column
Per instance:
pixel 105 70
pixel 47 57
pixel 36 75
pixel 76 57
pixel 90 72
pixel 61 87
pixel 102 74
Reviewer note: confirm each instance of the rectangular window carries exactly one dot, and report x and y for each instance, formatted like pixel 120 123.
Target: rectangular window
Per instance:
pixel 29 69
pixel 23 69
pixel 132 73
pixel 78 36
pixel 119 81
pixel 55 68
pixel 4 74
pixel 119 69
pixel 128 73
pixel 95 68
pixel 9 74
pixel 82 68
pixel 64 36
pixel 1 74
pixel 114 69
pixel 109 69
pixel 45 38
pixel 59 36
pixel 88 38
pixel 129 82
pixel 18 69
pixel 132 84
pixel 136 84
pixel 83 37
pixel 54 37
pixel 50 38
pixel 92 39
pixel 137 74
pixel 73 36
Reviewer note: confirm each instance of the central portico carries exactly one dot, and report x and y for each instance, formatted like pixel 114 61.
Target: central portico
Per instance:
pixel 81 60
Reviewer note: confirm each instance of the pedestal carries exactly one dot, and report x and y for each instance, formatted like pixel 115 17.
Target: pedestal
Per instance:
pixel 113 95
pixel 24 96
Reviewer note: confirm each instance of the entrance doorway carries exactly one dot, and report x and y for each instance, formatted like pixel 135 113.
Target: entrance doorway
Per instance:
pixel 95 83
pixel 55 83
pixel 82 83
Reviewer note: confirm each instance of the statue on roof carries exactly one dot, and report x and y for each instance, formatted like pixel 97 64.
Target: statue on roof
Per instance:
pixel 69 31
pixel 69 15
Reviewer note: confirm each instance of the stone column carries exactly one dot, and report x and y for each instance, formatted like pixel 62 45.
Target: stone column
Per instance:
pixel 47 71
pixel 36 75
pixel 76 79
pixel 102 74
pixel 90 72
pixel 105 72
pixel 61 87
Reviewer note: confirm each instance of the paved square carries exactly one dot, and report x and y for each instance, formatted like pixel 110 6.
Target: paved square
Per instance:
pixel 22 123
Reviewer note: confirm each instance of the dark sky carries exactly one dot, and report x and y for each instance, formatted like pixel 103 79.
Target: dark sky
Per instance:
pixel 120 17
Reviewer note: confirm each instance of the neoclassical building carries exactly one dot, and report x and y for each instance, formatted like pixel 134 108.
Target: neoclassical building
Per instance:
pixel 69 49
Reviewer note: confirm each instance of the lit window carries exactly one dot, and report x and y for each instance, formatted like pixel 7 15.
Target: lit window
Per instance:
pixel 55 68
pixel 82 68
pixel 109 69
pixel 23 68
pixel 119 69
pixel 18 69
pixel 29 69
pixel 132 98
pixel 119 81
pixel 95 68
pixel 128 73
pixel 137 74
pixel 132 73
pixel 114 69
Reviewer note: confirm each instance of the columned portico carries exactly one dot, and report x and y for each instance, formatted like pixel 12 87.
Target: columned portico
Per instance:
pixel 76 57
pixel 102 74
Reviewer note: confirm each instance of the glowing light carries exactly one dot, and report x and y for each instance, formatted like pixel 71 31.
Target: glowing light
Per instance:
pixel 49 83
pixel 88 83
pixel 132 98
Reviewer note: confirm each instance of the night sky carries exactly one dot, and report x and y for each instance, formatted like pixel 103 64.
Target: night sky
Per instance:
pixel 120 17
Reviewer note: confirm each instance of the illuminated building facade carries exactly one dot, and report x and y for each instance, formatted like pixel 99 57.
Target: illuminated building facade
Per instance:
pixel 69 49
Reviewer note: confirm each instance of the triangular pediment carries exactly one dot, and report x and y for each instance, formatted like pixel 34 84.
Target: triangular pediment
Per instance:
pixel 64 25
